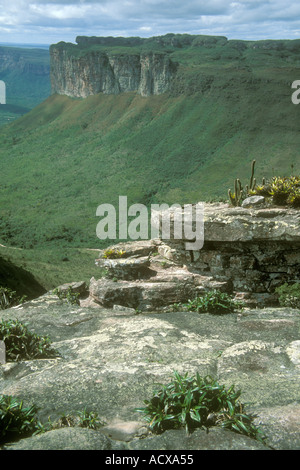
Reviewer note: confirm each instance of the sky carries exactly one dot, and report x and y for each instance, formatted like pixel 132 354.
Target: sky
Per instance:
pixel 51 21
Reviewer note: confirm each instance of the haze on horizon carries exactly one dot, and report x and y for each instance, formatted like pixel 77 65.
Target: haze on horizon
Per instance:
pixel 51 21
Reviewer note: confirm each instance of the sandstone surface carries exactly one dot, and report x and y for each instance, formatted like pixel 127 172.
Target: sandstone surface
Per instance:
pixel 110 361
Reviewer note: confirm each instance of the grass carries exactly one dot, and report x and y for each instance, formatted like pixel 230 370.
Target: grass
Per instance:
pixel 52 195
pixel 51 266
pixel 215 302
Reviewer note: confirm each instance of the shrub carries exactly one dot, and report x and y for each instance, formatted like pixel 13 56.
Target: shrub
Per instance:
pixel 71 297
pixel 284 191
pixel 9 298
pixel 83 419
pixel 196 402
pixel 20 343
pixel 289 295
pixel 16 420
pixel 112 253
pixel 214 302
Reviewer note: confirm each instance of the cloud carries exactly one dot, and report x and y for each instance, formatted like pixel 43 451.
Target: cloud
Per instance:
pixel 47 21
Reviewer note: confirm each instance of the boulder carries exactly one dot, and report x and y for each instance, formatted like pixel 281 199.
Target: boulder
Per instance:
pixel 253 201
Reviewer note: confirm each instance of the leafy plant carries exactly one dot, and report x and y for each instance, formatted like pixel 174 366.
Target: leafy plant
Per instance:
pixel 89 419
pixel 213 302
pixel 71 297
pixel 195 402
pixel 289 295
pixel 83 419
pixel 9 298
pixel 284 191
pixel 112 253
pixel 20 343
pixel 17 420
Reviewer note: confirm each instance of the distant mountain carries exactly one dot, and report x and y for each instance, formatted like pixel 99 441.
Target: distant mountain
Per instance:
pixel 226 103
pixel 26 73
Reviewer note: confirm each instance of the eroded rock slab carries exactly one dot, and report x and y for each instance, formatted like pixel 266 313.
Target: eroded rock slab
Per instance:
pixel 110 363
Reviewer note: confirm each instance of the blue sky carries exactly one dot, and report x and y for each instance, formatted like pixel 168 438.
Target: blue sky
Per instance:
pixel 51 21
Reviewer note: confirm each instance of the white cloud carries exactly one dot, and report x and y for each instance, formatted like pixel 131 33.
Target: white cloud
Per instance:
pixel 48 21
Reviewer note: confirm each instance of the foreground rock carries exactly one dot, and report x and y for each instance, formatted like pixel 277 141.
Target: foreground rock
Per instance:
pixel 111 360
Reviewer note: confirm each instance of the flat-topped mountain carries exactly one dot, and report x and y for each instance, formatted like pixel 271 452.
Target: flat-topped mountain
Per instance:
pixel 151 66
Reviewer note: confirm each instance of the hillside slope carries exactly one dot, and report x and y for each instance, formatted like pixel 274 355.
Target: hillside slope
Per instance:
pixel 26 73
pixel 67 156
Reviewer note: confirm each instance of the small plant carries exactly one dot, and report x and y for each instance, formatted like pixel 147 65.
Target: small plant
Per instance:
pixel 289 295
pixel 89 419
pixel 17 420
pixel 20 343
pixel 213 302
pixel 9 298
pixel 195 402
pixel 83 419
pixel 71 297
pixel 112 253
pixel 284 191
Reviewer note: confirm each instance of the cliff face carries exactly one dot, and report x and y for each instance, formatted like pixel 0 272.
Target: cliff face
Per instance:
pixel 93 72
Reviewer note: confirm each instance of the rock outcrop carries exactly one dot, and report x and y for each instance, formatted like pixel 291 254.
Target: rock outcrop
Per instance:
pixel 124 339
pixel 92 72
pixel 111 360
pixel 247 252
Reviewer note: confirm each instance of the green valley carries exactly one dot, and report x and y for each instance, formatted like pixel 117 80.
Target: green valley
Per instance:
pixel 229 103
pixel 26 73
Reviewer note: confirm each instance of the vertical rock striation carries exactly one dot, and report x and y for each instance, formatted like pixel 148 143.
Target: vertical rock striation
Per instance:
pixel 87 72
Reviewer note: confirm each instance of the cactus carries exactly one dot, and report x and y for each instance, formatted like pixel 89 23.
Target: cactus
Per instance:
pixel 239 192
pixel 237 197
pixel 252 179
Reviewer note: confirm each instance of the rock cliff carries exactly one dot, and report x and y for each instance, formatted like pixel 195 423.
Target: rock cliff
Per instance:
pixel 151 66
pixel 95 71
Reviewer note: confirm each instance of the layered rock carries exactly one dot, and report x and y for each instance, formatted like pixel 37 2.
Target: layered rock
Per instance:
pixel 247 252
pixel 92 72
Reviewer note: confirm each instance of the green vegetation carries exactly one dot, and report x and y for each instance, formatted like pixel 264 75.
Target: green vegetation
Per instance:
pixel 284 191
pixel 215 302
pixel 83 419
pixel 70 296
pixel 26 73
pixel 289 295
pixel 195 402
pixel 9 298
pixel 16 420
pixel 111 253
pixel 20 343
pixel 230 103
pixel 281 191
pixel 50 266
pixel 241 193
